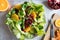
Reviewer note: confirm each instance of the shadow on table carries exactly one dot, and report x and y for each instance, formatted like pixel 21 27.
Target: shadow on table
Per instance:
pixel 5 27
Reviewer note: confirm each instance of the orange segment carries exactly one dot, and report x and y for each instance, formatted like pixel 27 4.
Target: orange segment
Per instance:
pixel 17 6
pixel 15 17
pixel 34 14
pixel 57 22
pixel 3 5
pixel 27 29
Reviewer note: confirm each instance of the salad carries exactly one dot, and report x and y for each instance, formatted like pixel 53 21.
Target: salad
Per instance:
pixel 26 20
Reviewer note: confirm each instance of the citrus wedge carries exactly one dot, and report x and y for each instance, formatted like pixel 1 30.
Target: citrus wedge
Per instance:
pixel 15 17
pixel 3 5
pixel 57 23
pixel 27 29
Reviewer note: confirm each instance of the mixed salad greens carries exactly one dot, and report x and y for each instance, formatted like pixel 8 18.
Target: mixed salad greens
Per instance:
pixel 26 20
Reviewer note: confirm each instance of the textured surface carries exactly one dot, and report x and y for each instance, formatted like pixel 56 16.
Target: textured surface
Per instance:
pixel 5 34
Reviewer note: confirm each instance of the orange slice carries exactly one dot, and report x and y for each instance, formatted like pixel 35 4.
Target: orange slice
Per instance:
pixel 57 23
pixel 34 14
pixel 27 29
pixel 15 17
pixel 17 6
pixel 3 5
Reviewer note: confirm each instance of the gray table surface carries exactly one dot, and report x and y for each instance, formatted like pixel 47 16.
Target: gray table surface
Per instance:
pixel 5 34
